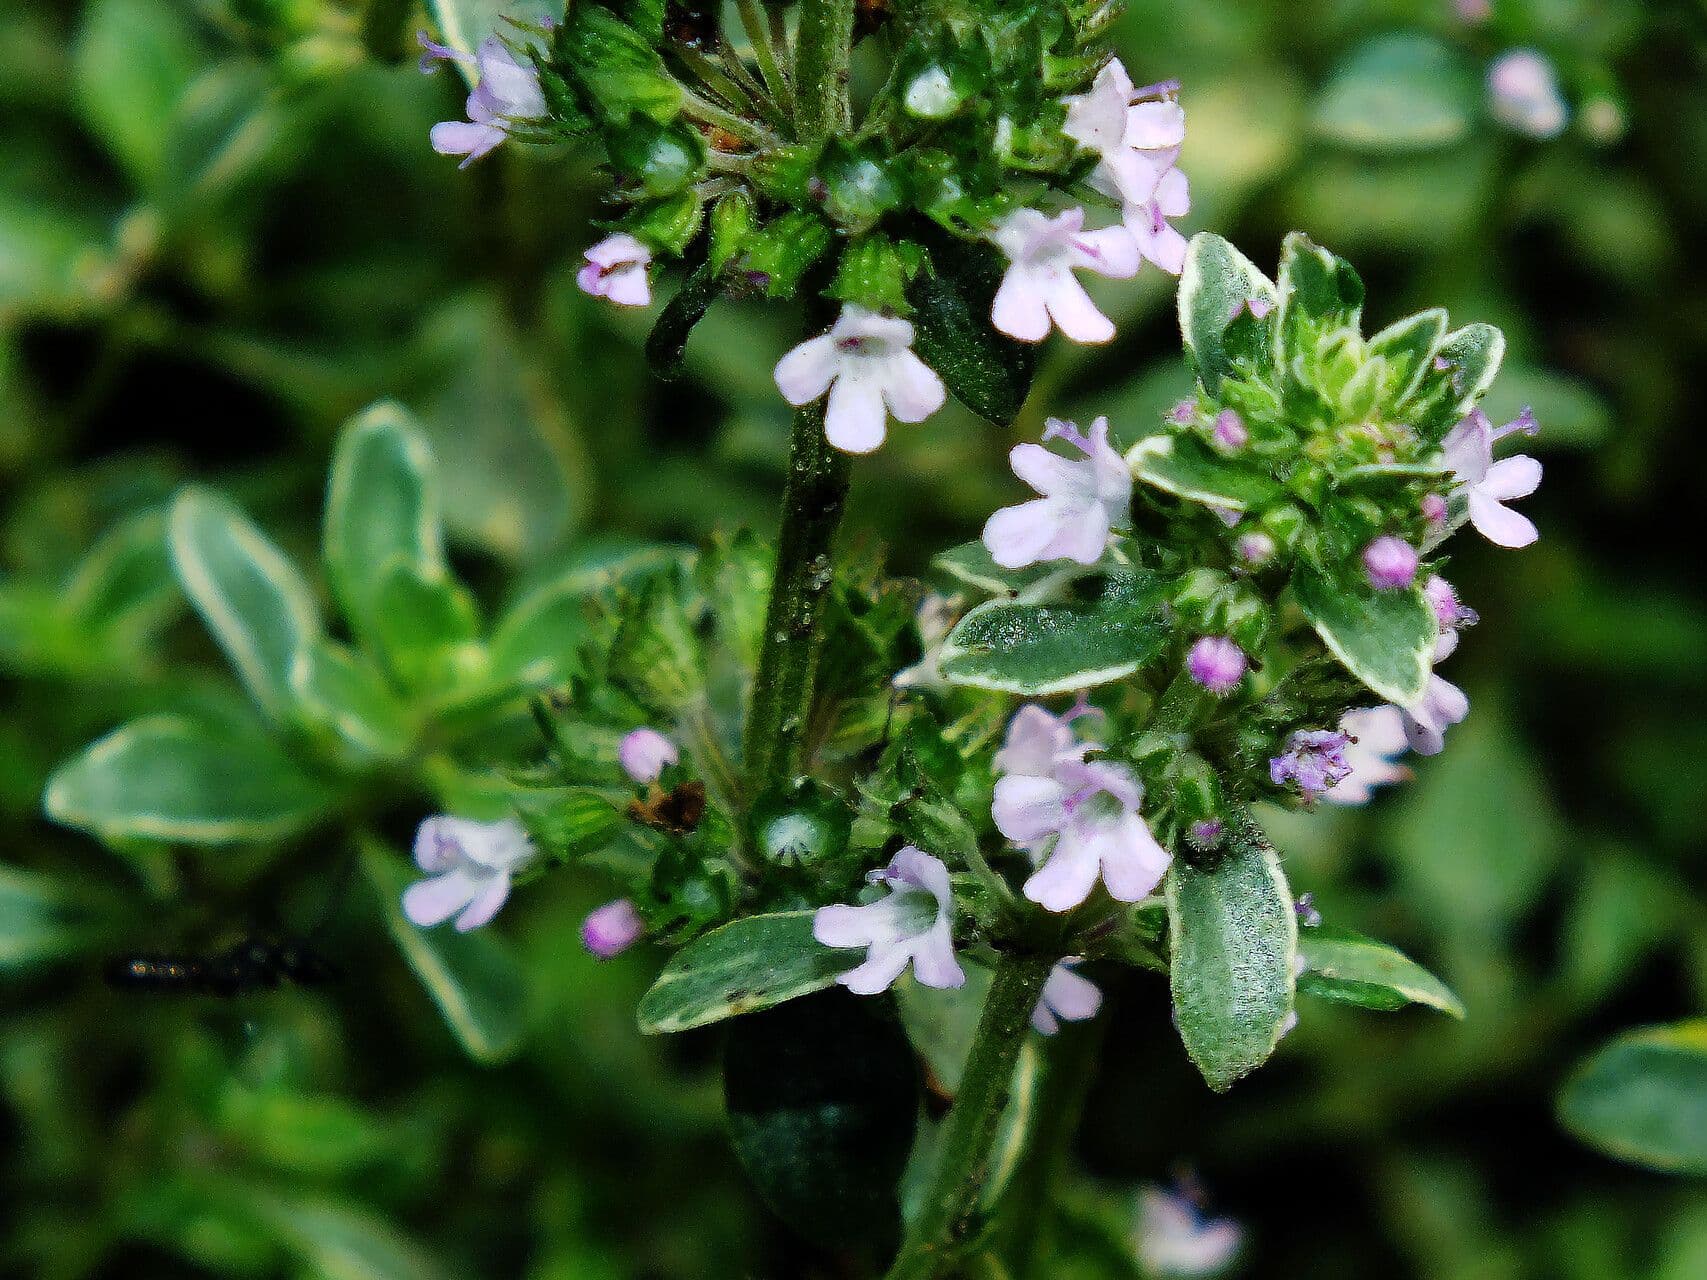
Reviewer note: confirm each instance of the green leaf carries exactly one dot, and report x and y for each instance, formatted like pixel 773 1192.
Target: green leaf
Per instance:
pixel 1474 354
pixel 428 629
pixel 472 977
pixel 745 966
pixel 1234 936
pixel 1036 649
pixel 1319 293
pixel 1643 1098
pixel 124 587
pixel 252 599
pixel 1402 92
pixel 227 131
pixel 1384 638
pixel 614 67
pixel 497 424
pixel 1353 969
pixel 986 371
pixel 313 1134
pixel 382 509
pixel 970 563
pixel 44 918
pixel 342 696
pixel 942 1023
pixel 1408 346
pixel 329 1238
pixel 822 1099
pixel 1187 468
pixel 132 63
pixel 1214 286
pixel 169 778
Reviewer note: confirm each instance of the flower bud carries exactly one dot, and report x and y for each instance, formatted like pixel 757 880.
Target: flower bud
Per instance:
pixel 1217 664
pixel 1391 563
pixel 612 929
pixel 1230 432
pixel 645 753
pixel 1255 549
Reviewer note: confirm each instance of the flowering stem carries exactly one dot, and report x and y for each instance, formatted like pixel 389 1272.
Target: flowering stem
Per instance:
pixel 946 1217
pixel 817 484
pixel 812 500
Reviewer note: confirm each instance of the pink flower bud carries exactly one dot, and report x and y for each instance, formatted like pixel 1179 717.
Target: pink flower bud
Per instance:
pixel 645 753
pixel 1217 664
pixel 1230 431
pixel 612 929
pixel 1391 563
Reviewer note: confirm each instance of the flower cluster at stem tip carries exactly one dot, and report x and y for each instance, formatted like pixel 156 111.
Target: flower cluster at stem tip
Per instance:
pixel 1269 551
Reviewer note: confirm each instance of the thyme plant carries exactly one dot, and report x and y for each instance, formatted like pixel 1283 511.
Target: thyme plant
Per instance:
pixel 880 823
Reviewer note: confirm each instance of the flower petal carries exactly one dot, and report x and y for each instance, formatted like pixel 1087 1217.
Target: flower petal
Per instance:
pixel 430 902
pixel 1019 309
pixel 1017 536
pixel 855 421
pixel 1133 863
pixel 1072 309
pixel 1066 878
pixel 1027 808
pixel 485 904
pixel 806 372
pixel 883 964
pixel 934 964
pixel 1500 525
pixel 912 389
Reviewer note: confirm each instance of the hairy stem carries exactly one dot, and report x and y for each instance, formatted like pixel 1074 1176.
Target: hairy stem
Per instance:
pixel 817 484
pixel 812 500
pixel 948 1212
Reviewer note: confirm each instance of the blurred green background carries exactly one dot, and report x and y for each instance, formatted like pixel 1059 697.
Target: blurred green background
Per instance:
pixel 222 232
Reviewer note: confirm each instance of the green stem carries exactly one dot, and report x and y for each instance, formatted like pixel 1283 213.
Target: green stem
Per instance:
pixel 823 46
pixel 812 500
pixel 817 485
pixel 947 1214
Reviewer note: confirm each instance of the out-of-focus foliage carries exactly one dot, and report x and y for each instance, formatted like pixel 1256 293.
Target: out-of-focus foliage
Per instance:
pixel 222 234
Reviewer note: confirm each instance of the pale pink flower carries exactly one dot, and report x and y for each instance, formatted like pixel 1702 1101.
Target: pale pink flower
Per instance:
pixel 866 364
pixel 612 929
pixel 1082 500
pixel 506 92
pixel 1067 997
pixel 616 270
pixel 1148 221
pixel 1426 720
pixel 1487 485
pixel 913 925
pixel 1040 288
pixel 644 754
pixel 469 864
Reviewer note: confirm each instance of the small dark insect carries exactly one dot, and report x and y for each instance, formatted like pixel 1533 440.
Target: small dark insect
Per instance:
pixel 250 965
pixel 676 811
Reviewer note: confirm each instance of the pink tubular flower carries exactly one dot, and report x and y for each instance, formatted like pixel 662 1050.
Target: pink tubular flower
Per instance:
pixel 645 753
pixel 867 365
pixel 1486 485
pixel 1080 817
pixel 1082 500
pixel 1229 431
pixel 1148 221
pixel 507 92
pixel 1426 720
pixel 469 864
pixel 914 924
pixel 1135 133
pixel 616 270
pixel 1449 612
pixel 1375 740
pixel 1040 289
pixel 1390 563
pixel 1217 664
pixel 612 929
pixel 1067 997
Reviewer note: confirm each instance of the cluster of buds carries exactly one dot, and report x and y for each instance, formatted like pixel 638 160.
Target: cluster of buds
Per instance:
pixel 973 163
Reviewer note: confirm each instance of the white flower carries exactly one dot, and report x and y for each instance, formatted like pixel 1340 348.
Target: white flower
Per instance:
pixel 1040 288
pixel 1377 740
pixel 1080 817
pixel 616 270
pixel 1147 221
pixel 866 363
pixel 469 864
pixel 1428 718
pixel 1523 90
pixel 914 924
pixel 1135 141
pixel 1067 997
pixel 507 91
pixel 1083 500
pixel 1175 1239
pixel 1468 452
pixel 644 753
